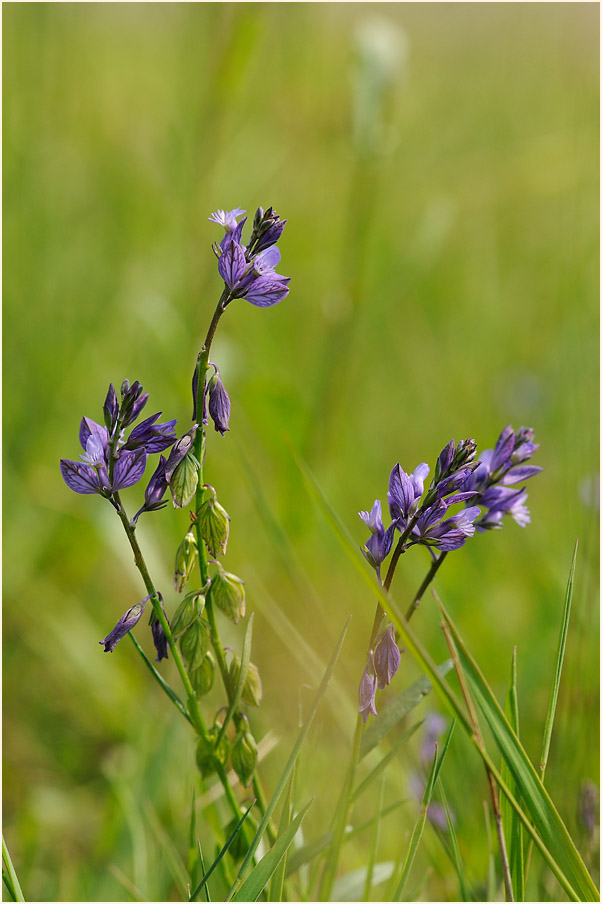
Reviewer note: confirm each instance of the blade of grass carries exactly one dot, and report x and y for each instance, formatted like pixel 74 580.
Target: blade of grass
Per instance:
pixel 221 854
pixel 277 883
pixel 491 878
pixel 290 763
pixel 551 834
pixel 202 865
pixel 514 828
pixel 457 860
pixel 374 843
pixel 161 680
pixel 396 709
pixel 382 764
pixel 261 874
pixel 450 700
pixel 417 830
pixel 9 873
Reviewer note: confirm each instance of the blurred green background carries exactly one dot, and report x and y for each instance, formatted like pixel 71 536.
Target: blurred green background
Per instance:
pixel 438 166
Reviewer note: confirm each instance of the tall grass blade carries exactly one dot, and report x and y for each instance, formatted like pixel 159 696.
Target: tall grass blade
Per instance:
pixel 220 856
pixel 418 827
pixel 261 874
pixel 491 878
pixel 514 828
pixel 374 843
pixel 397 709
pixel 161 680
pixel 564 627
pixel 202 865
pixel 456 858
pixel 551 834
pixel 277 883
pixel 290 763
pixel 9 874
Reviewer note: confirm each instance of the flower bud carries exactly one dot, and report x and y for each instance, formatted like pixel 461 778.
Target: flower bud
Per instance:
pixel 227 592
pixel 219 403
pixel 252 691
pixel 243 756
pixel 186 558
pixel 189 609
pixel 194 642
pixel 202 677
pixel 214 523
pixel 208 756
pixel 387 657
pixel 111 409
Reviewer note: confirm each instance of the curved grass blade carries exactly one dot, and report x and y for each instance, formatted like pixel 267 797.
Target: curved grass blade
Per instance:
pixel 550 829
pixel 261 874
pixel 277 883
pixel 289 764
pixel 514 828
pixel 219 857
pixel 161 680
pixel 9 875
pixel 396 709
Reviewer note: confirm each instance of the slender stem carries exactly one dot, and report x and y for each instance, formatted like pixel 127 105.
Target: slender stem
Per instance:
pixel 158 610
pixel 495 801
pixel 423 587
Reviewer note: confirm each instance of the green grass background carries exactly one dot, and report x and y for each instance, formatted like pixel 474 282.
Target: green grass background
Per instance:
pixel 443 255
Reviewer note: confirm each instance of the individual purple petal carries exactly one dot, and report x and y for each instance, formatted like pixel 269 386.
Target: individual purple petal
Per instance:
pixel 125 624
pixel 89 427
pixel 503 449
pixel 272 235
pixel 266 261
pixel 232 264
pixel 95 451
pixel 445 459
pixel 153 437
pixel 111 409
pixel 418 477
pixel 520 473
pixel 269 290
pixel 378 546
pixel 226 218
pixel 401 493
pixel 79 477
pixel 373 519
pixel 386 658
pixel 129 468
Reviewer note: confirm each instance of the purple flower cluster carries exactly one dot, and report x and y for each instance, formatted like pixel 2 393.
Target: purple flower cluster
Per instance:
pixel 426 519
pixel 111 462
pixel 250 271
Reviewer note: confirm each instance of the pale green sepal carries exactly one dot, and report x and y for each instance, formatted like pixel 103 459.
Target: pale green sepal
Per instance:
pixel 214 523
pixel 184 481
pixel 227 592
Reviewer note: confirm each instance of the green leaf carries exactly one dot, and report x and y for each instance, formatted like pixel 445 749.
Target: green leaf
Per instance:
pixel 286 772
pixel 457 860
pixel 513 826
pixel 551 835
pixel 397 708
pixel 223 851
pixel 261 874
pixel 277 883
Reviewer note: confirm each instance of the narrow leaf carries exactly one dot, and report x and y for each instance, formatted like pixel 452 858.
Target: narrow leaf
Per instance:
pixel 513 826
pixel 10 875
pixel 218 859
pixel 277 883
pixel 261 874
pixel 456 858
pixel 161 680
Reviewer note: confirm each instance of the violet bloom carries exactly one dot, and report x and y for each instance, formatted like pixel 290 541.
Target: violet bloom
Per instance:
pixel 378 546
pixel 387 657
pixel 226 218
pixel 156 489
pixel 159 638
pixel 367 691
pixel 404 493
pixel 91 474
pixel 448 534
pixel 125 624
pixel 151 436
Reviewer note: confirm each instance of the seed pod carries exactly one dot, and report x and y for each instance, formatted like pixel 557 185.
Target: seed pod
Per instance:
pixel 202 677
pixel 190 608
pixel 208 756
pixel 227 592
pixel 194 642
pixel 243 756
pixel 186 558
pixel 214 523
pixel 252 690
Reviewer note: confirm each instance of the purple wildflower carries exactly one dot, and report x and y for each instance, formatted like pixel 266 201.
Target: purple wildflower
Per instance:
pixel 159 638
pixel 153 495
pixel 226 218
pixel 446 535
pixel 387 657
pixel 125 624
pixel 378 545
pixel 405 491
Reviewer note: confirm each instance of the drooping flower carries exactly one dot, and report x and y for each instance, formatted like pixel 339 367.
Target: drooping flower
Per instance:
pixel 367 690
pixel 219 403
pixel 156 489
pixel 159 638
pixel 387 657
pixel 125 624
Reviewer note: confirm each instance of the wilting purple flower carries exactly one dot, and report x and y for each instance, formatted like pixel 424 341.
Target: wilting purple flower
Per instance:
pixel 405 491
pixel 125 624
pixel 219 403
pixel 155 491
pixel 180 451
pixel 159 638
pixel 387 657
pixel 367 691
pixel 378 545
pixel 445 535
pixel 151 436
